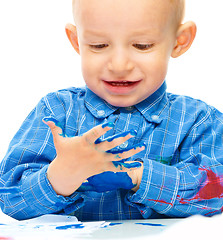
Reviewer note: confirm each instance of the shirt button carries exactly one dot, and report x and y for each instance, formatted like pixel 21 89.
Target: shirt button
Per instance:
pixel 130 108
pixel 101 113
pixel 124 145
pixel 155 118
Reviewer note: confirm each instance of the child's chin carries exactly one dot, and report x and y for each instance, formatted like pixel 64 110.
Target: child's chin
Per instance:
pixel 122 103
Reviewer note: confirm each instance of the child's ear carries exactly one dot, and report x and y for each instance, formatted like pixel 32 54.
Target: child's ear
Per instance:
pixel 71 32
pixel 185 37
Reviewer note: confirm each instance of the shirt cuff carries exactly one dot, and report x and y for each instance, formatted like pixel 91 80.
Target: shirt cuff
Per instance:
pixel 158 188
pixel 41 197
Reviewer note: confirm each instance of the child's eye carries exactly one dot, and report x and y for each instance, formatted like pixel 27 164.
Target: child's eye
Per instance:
pixel 143 46
pixel 98 46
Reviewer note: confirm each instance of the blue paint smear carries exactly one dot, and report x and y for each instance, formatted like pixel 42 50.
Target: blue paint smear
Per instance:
pixel 108 124
pixel 117 151
pixel 57 123
pixel 113 224
pixel 71 226
pixel 39 226
pixel 151 224
pixel 107 181
pixel 111 138
pixel 125 164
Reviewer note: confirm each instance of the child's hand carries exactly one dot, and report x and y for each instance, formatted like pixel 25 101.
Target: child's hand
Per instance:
pixel 108 181
pixel 79 158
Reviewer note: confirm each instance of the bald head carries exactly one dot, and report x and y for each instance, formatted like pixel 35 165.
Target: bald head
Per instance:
pixel 178 9
pixel 177 6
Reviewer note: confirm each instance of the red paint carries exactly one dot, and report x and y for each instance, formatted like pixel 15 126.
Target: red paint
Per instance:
pixel 160 201
pixel 212 188
pixel 216 211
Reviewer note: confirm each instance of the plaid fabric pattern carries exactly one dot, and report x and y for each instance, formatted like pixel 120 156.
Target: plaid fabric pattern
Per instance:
pixel 183 169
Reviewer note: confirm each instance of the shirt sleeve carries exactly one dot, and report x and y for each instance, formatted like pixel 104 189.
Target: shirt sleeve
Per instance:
pixel 25 191
pixel 192 186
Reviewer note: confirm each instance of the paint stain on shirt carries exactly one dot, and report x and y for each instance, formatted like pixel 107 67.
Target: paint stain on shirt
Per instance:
pixel 211 188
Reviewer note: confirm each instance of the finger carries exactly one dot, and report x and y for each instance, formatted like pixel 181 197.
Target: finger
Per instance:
pixel 54 125
pixel 132 152
pixel 128 152
pixel 125 164
pixel 111 138
pixel 114 141
pixel 92 135
pixel 119 160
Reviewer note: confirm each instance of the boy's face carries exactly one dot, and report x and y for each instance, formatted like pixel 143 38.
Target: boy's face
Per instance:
pixel 125 46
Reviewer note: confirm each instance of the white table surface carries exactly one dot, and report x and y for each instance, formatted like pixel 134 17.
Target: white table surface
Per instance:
pixel 130 229
pixel 195 227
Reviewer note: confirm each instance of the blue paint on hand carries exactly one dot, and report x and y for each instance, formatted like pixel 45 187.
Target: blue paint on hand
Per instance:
pixel 108 124
pixel 117 151
pixel 57 123
pixel 111 138
pixel 107 181
pixel 124 163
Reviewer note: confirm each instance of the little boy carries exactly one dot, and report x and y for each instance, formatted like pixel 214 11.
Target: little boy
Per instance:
pixel 121 147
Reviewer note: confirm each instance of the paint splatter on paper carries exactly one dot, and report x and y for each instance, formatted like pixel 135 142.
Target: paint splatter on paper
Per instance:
pixel 49 226
pixel 151 224
pixel 114 224
pixel 70 226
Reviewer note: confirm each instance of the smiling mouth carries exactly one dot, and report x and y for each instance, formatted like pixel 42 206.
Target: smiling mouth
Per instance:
pixel 122 83
pixel 121 87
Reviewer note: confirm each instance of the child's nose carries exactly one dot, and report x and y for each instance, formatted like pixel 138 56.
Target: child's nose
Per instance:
pixel 120 62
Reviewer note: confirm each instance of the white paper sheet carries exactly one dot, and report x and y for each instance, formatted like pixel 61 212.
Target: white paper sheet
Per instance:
pixel 194 227
pixel 49 227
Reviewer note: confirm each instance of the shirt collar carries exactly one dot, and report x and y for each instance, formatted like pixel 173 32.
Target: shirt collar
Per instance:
pixel 151 108
pixel 98 107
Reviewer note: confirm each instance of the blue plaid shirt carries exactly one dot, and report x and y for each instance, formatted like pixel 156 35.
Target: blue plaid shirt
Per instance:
pixel 183 160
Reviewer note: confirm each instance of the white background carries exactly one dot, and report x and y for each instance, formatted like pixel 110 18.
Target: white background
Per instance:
pixel 36 57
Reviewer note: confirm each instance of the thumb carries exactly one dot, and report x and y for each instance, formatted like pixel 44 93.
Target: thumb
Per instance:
pixel 55 126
